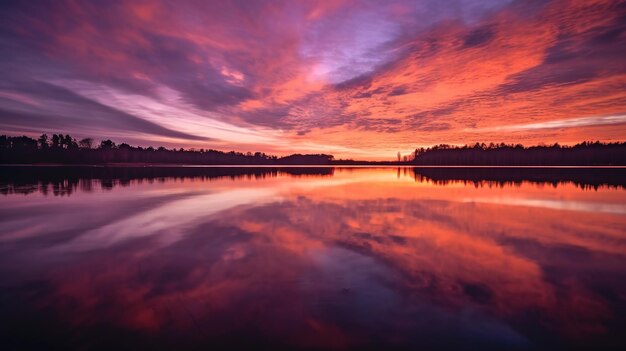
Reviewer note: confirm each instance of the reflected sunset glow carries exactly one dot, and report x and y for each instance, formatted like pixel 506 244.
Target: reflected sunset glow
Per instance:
pixel 504 265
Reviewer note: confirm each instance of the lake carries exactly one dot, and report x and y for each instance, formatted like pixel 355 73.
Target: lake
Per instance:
pixel 114 258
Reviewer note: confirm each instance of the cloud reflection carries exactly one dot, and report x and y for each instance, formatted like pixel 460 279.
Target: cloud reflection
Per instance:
pixel 371 258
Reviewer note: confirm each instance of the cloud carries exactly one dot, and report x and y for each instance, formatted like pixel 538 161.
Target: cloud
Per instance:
pixel 565 123
pixel 477 37
pixel 57 108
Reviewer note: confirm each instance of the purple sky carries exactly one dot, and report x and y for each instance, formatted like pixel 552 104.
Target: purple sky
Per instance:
pixel 359 79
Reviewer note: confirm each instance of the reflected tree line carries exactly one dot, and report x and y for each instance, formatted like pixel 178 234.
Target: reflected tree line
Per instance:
pixel 65 180
pixel 65 149
pixel 584 178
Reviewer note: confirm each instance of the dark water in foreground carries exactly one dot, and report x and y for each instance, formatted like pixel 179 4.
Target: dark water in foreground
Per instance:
pixel 312 258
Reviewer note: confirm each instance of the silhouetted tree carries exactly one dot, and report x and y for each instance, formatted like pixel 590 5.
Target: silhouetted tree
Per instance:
pixel 43 142
pixel 56 141
pixel 86 143
pixel 107 144
pixel 69 142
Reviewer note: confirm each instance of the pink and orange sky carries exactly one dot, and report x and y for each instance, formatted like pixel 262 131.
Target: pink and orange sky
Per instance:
pixel 358 79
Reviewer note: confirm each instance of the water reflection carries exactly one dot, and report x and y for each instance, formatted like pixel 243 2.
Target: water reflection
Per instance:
pixel 64 180
pixel 313 258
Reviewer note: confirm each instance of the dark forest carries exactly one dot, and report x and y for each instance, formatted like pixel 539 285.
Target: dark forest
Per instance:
pixel 63 149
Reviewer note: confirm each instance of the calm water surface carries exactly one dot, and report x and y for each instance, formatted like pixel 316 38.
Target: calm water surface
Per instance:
pixel 312 258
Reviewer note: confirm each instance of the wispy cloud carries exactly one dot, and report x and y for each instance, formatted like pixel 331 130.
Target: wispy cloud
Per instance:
pixel 563 123
pixel 168 109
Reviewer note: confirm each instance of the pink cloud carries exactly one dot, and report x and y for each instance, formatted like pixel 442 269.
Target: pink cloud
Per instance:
pixel 371 76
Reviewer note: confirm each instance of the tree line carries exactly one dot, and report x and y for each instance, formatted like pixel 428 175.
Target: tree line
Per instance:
pixel 480 154
pixel 62 148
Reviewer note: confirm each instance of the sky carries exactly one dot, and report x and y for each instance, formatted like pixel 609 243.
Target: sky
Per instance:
pixel 356 79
